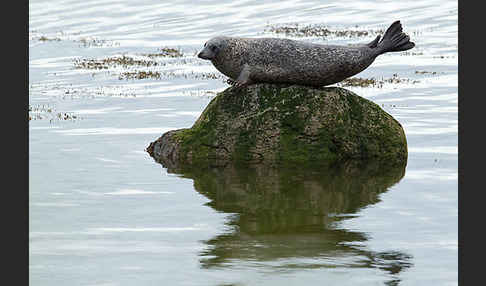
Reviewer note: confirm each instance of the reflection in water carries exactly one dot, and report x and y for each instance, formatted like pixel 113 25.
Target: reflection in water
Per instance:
pixel 288 218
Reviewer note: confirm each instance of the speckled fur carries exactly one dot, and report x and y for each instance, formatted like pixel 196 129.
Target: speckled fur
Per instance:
pixel 276 60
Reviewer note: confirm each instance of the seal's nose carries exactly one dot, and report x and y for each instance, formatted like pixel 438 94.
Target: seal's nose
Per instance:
pixel 203 55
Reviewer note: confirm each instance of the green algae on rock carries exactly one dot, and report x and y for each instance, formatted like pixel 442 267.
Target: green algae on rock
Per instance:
pixel 282 124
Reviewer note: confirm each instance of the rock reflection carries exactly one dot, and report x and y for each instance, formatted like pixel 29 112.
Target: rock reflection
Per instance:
pixel 288 218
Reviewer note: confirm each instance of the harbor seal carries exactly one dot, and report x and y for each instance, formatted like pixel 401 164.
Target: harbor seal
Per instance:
pixel 274 60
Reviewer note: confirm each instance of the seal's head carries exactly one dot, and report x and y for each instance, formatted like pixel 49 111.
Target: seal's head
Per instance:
pixel 213 48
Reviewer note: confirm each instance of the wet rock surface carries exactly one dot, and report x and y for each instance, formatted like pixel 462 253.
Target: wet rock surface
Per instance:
pixel 282 124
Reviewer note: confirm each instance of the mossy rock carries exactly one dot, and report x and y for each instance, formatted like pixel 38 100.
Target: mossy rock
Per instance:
pixel 281 124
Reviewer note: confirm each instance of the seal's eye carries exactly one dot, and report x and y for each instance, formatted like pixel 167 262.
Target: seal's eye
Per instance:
pixel 205 44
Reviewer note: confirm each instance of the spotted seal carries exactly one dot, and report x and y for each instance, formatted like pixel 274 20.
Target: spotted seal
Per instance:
pixel 274 60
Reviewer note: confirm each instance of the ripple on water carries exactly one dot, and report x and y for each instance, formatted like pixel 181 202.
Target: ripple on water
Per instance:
pixel 113 131
pixel 92 224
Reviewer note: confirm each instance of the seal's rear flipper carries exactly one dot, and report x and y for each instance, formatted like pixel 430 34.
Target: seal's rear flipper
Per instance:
pixel 394 40
pixel 374 43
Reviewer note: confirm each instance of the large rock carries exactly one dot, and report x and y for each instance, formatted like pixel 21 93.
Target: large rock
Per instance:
pixel 271 123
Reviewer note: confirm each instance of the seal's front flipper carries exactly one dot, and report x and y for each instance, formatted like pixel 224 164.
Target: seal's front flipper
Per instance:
pixel 243 79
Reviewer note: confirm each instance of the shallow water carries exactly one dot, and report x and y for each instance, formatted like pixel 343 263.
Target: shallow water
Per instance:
pixel 102 212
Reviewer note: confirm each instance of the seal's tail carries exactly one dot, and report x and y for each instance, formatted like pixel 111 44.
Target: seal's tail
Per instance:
pixel 394 40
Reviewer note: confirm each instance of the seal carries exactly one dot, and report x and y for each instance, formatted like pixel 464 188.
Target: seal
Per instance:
pixel 274 60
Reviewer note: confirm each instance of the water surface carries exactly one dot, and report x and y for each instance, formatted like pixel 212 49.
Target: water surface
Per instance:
pixel 102 212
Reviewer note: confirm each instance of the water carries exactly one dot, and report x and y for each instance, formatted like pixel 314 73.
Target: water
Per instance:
pixel 102 212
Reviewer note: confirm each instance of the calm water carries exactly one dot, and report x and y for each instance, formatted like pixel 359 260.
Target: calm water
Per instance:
pixel 102 212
